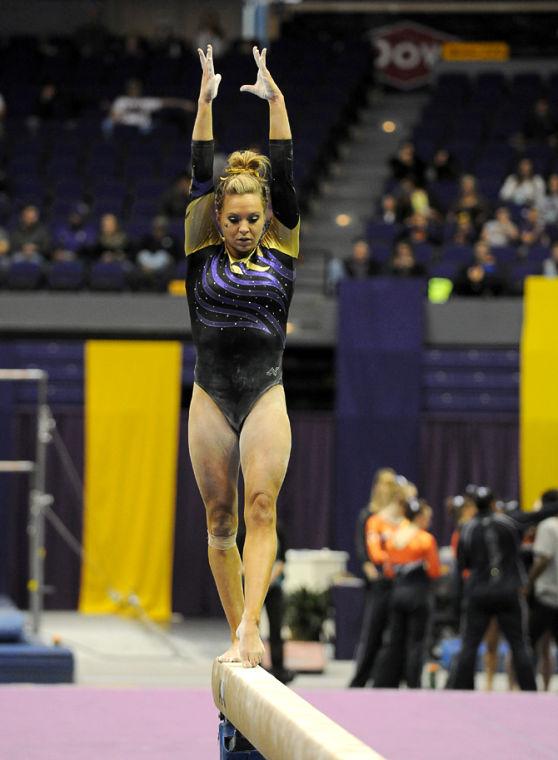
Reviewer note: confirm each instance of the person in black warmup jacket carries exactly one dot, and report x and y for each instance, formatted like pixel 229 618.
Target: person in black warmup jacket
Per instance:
pixel 489 547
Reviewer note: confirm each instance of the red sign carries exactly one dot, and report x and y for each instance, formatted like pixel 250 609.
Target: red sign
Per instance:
pixel 406 53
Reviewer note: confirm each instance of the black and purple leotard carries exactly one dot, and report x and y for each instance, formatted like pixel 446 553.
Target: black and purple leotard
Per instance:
pixel 239 307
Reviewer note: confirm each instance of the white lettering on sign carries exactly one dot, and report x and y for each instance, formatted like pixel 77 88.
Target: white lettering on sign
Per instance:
pixel 406 54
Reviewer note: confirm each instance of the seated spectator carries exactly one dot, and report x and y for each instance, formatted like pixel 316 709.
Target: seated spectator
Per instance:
pixel 174 200
pixel 30 231
pixel 134 59
pixel 112 243
pixel 461 231
pixel 135 110
pixel 501 230
pixel 92 36
pixel 548 204
pixel 27 252
pixel 2 115
pixel 550 265
pixel 4 254
pixel 402 262
pixel 407 165
pixel 532 229
pixel 155 257
pixel 74 237
pixel 523 186
pixel 443 167
pixel 5 193
pixel 412 199
pixel 471 201
pixel 420 229
pixel 389 211
pixel 482 277
pixel 51 105
pixel 210 32
pixel 540 125
pixel 361 263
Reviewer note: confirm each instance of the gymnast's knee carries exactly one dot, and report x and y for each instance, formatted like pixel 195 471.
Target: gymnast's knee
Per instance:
pixel 260 511
pixel 222 527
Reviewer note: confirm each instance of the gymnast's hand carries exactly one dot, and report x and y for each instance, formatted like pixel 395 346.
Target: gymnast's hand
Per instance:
pixel 210 80
pixel 265 87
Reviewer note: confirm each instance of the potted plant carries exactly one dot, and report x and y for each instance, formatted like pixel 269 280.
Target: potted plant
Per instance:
pixel 305 614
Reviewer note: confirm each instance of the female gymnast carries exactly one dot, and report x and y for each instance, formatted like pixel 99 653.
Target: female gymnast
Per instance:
pixel 241 247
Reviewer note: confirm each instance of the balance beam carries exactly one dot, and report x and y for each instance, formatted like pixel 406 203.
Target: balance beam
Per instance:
pixel 280 724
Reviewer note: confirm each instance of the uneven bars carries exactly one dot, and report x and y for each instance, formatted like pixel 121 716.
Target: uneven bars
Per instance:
pixel 279 723
pixel 14 465
pixel 22 374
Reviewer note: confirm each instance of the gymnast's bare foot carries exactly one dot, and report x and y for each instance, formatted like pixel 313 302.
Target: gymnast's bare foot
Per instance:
pixel 232 654
pixel 251 645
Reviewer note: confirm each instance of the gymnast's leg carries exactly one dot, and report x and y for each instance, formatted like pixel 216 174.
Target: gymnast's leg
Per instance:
pixel 215 459
pixel 265 446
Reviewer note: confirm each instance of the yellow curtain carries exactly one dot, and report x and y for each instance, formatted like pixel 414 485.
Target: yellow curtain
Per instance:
pixel 132 408
pixel 539 390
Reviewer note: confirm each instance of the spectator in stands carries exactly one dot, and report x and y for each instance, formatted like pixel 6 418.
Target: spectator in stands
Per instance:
pixel 500 231
pixel 532 230
pixel 4 254
pixel 174 200
pixel 420 229
pixel 361 263
pixel 133 109
pixel 389 210
pixel 550 265
pixel 470 201
pixel 482 277
pixel 540 125
pixel 2 115
pixel 412 199
pixel 443 167
pixel 461 231
pixel 30 232
pixel 75 236
pixel 134 59
pixel 402 262
pixel 407 165
pixel 156 255
pixel 412 561
pixel 27 252
pixel 548 205
pixel 523 186
pixel 164 40
pixel 92 36
pixel 5 192
pixel 51 104
pixel 210 32
pixel 112 242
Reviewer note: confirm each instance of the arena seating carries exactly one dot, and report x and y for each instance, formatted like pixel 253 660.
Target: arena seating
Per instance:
pixel 458 380
pixel 477 119
pixel 64 362
pixel 58 162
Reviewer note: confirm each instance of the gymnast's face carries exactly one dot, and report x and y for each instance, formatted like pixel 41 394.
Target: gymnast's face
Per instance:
pixel 242 221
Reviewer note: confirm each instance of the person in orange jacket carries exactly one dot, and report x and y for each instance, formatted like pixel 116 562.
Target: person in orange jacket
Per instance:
pixel 411 559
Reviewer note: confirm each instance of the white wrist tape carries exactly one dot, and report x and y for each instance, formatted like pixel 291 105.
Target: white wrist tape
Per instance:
pixel 221 542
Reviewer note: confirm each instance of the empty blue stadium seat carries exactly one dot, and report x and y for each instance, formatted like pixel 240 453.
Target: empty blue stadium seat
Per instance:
pixel 471 357
pixel 66 275
pixel 24 275
pixel 107 275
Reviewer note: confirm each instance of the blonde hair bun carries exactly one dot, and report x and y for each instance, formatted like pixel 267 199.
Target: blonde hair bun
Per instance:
pixel 247 162
pixel 246 172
